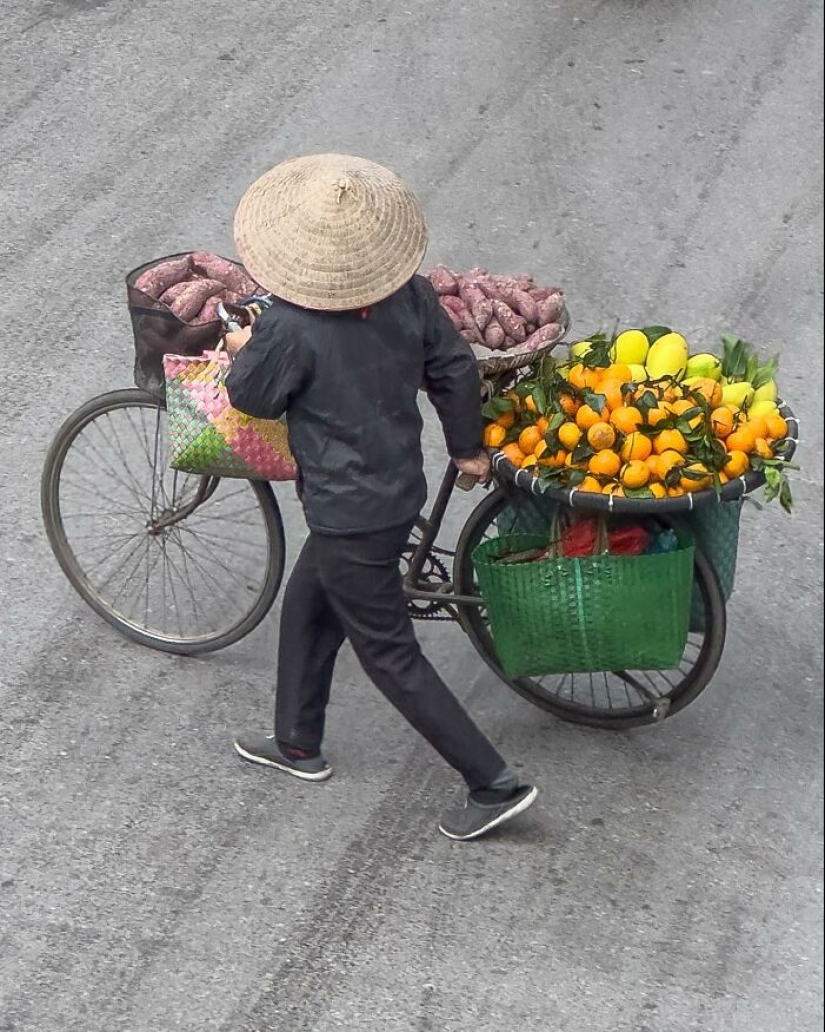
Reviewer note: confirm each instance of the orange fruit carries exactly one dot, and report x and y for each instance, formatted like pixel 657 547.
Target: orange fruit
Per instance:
pixel 777 428
pixel 580 376
pixel 601 436
pixel 612 391
pixel 568 404
pixel 709 389
pixel 587 417
pixel 690 484
pixel 569 435
pixel 613 489
pixel 742 439
pixel 658 415
pixel 568 461
pixel 635 474
pixel 529 404
pixel 758 426
pixel 529 462
pixel 671 392
pixel 658 490
pixel 636 446
pixel 736 465
pixel 553 461
pixel 528 439
pixel 667 461
pixel 679 408
pixel 619 371
pixel 652 463
pixel 723 478
pixel 543 425
pixel 494 435
pixel 626 418
pixel 605 463
pixel 590 484
pixel 507 419
pixel 763 449
pixel 513 453
pixel 722 422
pixel 670 440
pixel 676 492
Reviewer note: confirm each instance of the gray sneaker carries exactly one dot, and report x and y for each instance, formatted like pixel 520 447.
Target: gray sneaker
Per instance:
pixel 263 749
pixel 477 819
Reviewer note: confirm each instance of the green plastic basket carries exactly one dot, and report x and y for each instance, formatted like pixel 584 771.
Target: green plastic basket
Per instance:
pixel 603 612
pixel 716 532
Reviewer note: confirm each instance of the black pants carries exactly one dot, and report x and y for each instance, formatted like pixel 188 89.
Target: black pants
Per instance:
pixel 350 587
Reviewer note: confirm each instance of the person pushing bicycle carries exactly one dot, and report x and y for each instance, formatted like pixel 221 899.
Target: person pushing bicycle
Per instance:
pixel 351 336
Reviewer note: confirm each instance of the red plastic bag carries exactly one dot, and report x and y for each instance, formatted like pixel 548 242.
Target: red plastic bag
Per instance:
pixel 580 539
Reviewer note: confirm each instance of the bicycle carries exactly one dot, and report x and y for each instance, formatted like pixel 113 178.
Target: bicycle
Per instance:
pixel 158 563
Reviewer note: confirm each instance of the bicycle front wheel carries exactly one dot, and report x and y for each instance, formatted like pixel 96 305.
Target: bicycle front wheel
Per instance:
pixel 180 563
pixel 614 700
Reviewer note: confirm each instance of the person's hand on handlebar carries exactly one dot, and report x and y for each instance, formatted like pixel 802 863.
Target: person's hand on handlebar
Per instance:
pixel 236 339
pixel 479 467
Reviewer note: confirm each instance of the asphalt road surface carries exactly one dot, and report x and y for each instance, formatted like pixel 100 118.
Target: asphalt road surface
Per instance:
pixel 661 160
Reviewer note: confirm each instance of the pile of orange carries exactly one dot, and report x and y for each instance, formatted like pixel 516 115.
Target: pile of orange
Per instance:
pixel 661 439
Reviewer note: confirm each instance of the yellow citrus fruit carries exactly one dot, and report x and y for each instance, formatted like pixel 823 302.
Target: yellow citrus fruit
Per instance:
pixel 670 440
pixel 635 474
pixel 722 422
pixel 494 435
pixel 528 439
pixel 777 428
pixel 658 490
pixel 512 452
pixel 569 435
pixel 690 483
pixel 762 448
pixel 742 439
pixel 605 463
pixel 590 484
pixel 736 465
pixel 587 417
pixel 601 436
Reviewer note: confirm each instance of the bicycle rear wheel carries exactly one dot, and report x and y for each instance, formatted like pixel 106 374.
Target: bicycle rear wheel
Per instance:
pixel 613 700
pixel 179 563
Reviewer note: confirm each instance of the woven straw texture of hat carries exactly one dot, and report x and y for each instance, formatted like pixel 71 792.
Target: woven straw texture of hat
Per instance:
pixel 330 232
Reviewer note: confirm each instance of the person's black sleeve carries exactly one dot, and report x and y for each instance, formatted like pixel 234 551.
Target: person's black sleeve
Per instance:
pixel 451 378
pixel 267 373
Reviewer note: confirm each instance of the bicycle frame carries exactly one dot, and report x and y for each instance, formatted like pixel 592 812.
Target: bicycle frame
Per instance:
pixel 429 528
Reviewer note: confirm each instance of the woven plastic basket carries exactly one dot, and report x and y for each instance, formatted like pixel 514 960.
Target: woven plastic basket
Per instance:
pixel 604 612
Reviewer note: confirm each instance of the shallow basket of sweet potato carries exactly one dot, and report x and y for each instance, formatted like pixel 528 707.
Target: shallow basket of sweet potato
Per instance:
pixel 509 321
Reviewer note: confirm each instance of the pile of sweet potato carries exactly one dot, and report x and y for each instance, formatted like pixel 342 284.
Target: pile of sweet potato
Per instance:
pixel 193 285
pixel 499 312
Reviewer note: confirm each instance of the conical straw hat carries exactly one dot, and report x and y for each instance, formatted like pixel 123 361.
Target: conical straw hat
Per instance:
pixel 330 232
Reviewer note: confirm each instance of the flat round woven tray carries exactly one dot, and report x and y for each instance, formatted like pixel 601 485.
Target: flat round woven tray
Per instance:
pixel 577 499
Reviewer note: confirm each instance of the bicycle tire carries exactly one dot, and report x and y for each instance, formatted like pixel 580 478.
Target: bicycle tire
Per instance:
pixel 54 524
pixel 685 692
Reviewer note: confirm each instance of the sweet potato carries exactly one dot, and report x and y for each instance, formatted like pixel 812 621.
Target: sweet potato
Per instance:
pixel 494 335
pixel 514 325
pixel 443 281
pixel 543 336
pixel 157 280
pixel 549 311
pixel 456 319
pixel 477 301
pixel 209 312
pixel 188 302
pixel 212 266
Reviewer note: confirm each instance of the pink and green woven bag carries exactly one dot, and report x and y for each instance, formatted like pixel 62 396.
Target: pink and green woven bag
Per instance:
pixel 207 436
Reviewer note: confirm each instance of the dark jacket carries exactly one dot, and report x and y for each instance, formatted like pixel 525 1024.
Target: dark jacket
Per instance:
pixel 348 384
